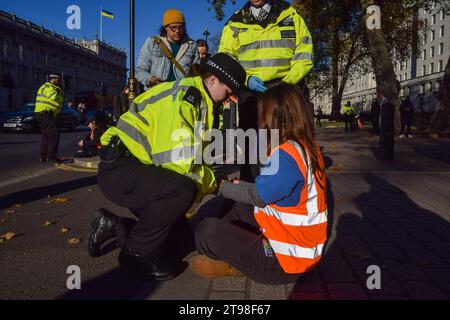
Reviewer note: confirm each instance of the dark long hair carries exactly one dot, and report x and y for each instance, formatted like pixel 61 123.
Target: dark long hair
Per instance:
pixel 283 107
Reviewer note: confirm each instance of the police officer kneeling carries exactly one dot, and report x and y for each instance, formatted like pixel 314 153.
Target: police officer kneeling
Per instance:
pixel 148 165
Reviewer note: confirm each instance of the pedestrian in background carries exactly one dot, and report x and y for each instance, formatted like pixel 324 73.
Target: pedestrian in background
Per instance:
pixel 407 116
pixel 348 112
pixel 319 116
pixel 169 56
pixel 121 103
pixel 49 101
pixel 254 35
pixel 375 116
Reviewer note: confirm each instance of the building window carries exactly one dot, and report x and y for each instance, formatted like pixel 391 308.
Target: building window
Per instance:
pixel 424 70
pixel 433 35
pixel 432 52
pixel 424 54
pixel 20 52
pixel 442 31
pixel 441 48
pixel 442 15
pixel 441 66
pixel 431 68
pixel 433 19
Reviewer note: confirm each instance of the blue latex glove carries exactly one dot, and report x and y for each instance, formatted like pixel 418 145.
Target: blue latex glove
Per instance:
pixel 256 84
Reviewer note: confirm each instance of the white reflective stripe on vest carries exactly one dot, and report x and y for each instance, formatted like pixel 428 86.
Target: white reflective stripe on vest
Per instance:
pixel 264 44
pixel 312 202
pixel 296 220
pixel 296 251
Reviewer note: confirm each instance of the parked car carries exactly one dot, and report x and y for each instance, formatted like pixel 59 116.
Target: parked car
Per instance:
pixel 24 119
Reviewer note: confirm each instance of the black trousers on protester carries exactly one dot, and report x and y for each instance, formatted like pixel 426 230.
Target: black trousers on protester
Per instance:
pixel 158 197
pixel 49 134
pixel 236 239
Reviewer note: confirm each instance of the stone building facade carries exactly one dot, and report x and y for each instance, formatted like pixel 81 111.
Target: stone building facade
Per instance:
pixel 419 76
pixel 28 53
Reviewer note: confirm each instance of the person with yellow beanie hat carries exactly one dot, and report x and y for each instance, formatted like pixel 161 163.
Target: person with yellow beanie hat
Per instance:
pixel 154 65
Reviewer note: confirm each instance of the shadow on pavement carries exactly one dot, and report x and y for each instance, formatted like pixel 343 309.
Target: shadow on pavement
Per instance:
pixel 114 285
pixel 408 243
pixel 34 194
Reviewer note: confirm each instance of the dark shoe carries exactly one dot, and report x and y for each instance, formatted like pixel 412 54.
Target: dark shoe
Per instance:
pixel 151 267
pixel 103 229
pixel 43 160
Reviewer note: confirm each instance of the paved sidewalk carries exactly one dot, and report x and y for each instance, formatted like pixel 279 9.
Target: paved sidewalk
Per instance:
pixel 392 215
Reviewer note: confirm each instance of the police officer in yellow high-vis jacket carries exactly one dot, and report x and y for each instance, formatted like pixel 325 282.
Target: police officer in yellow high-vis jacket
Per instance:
pixel 49 101
pixel 272 42
pixel 150 164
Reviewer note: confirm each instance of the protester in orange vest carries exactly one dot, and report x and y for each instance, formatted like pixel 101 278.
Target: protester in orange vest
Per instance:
pixel 278 227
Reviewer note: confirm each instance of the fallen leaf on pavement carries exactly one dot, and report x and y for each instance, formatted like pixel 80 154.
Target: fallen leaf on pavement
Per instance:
pixel 361 253
pixel 64 230
pixel 8 236
pixel 10 211
pixel 74 241
pixel 58 200
pixel 89 190
pixel 18 205
pixel 48 223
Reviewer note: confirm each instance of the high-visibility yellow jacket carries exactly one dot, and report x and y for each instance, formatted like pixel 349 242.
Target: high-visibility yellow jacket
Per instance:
pixel 49 98
pixel 279 48
pixel 165 126
pixel 347 110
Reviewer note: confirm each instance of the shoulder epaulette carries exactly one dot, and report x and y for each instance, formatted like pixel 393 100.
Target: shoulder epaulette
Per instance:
pixel 193 96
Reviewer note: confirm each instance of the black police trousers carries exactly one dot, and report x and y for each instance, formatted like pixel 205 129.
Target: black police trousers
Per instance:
pixel 158 197
pixel 236 239
pixel 49 134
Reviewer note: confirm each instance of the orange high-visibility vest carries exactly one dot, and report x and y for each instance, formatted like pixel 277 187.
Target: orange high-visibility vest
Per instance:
pixel 297 234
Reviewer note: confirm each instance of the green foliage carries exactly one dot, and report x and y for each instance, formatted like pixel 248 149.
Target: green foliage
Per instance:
pixel 218 5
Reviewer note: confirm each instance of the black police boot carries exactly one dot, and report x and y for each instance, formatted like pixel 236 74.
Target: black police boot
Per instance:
pixel 152 267
pixel 103 229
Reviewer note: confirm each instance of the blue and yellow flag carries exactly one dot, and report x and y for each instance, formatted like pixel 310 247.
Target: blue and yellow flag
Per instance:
pixel 107 14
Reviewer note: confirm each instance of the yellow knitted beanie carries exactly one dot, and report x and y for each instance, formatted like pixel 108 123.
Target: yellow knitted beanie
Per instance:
pixel 172 16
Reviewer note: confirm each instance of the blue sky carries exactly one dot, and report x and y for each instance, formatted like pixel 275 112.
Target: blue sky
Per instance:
pixel 52 15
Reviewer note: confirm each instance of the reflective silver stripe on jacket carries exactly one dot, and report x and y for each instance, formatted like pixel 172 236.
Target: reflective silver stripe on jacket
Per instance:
pixel 307 40
pixel 263 44
pixel 175 155
pixel 134 110
pixel 172 91
pixel 265 63
pixel 134 134
pixel 302 56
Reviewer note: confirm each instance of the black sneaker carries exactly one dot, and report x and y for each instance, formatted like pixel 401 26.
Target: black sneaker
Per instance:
pixel 103 229
pixel 43 160
pixel 60 160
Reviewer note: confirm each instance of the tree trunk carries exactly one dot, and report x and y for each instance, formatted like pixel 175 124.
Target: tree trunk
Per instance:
pixel 336 100
pixel 387 83
pixel 440 119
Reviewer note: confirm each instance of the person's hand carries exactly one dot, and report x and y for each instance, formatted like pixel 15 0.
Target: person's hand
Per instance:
pixel 155 80
pixel 256 84
pixel 81 143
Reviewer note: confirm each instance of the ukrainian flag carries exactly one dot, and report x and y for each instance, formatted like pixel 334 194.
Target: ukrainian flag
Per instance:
pixel 107 14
